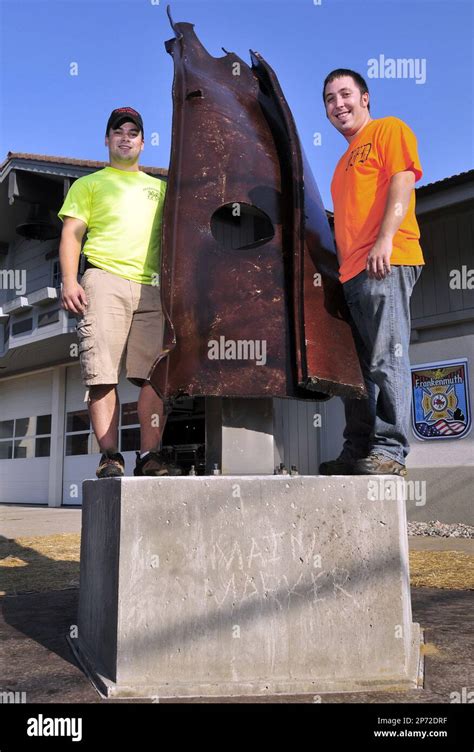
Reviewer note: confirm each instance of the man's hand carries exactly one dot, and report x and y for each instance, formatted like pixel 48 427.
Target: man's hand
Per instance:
pixel 73 297
pixel 378 260
pixel 396 207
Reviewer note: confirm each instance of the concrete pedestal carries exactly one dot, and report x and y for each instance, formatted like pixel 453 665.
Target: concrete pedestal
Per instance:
pixel 244 585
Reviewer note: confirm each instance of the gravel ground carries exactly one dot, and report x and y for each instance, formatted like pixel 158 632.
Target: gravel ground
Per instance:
pixel 441 529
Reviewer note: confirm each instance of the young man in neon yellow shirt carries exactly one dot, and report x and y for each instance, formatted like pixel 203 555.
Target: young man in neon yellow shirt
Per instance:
pixel 118 300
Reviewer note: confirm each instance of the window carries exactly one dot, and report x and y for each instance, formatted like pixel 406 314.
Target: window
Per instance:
pixel 25 438
pixel 43 446
pixel 26 325
pixel 129 428
pixel 6 439
pixel 80 438
pixel 6 450
pixel 130 414
pixel 78 421
pixel 48 317
pixel 56 274
pixel 43 424
pixel 77 444
pixel 78 430
pixel 6 429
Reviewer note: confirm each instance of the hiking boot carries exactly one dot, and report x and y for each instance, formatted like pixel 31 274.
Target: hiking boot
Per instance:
pixel 377 464
pixel 155 464
pixel 339 466
pixel 111 465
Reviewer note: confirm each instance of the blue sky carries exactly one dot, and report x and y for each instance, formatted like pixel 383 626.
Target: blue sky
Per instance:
pixel 118 46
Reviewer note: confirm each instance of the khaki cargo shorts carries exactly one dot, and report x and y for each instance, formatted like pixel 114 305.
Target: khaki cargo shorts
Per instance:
pixel 122 319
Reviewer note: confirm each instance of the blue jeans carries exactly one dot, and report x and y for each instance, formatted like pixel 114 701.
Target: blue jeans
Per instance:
pixel 380 311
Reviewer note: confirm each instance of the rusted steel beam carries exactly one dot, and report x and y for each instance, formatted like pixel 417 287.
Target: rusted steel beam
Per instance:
pixel 244 235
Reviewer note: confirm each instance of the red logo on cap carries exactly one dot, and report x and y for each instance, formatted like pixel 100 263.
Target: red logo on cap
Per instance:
pixel 127 109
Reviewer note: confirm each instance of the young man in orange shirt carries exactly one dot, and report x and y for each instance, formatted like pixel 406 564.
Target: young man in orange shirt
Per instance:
pixel 380 260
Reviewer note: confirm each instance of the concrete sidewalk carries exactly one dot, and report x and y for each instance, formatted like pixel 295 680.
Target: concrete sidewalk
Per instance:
pixel 435 543
pixel 21 520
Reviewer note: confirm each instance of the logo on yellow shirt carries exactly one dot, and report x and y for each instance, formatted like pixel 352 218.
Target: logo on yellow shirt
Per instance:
pixel 152 194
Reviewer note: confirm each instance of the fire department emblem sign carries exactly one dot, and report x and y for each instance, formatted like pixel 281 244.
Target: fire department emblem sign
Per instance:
pixel 441 405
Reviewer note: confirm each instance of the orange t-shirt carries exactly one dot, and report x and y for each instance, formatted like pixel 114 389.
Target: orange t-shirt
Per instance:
pixel 359 191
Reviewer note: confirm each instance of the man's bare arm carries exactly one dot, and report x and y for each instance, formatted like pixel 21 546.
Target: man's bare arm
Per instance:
pixel 396 207
pixel 73 297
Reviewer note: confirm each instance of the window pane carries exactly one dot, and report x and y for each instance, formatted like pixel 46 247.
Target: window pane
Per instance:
pixel 24 449
pixel 43 424
pixel 77 444
pixel 78 421
pixel 25 427
pixel 22 326
pixel 49 317
pixel 129 414
pixel 6 429
pixel 56 275
pixel 43 447
pixel 6 450
pixel 130 439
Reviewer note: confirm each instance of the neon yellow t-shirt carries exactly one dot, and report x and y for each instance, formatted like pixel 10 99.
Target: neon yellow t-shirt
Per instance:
pixel 123 212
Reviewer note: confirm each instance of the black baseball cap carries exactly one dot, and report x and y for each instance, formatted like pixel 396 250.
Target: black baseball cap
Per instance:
pixel 121 115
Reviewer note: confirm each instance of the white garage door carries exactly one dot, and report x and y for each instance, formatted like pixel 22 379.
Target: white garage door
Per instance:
pixel 25 438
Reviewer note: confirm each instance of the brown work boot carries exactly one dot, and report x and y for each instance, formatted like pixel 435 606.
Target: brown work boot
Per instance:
pixel 377 464
pixel 155 464
pixel 339 466
pixel 111 465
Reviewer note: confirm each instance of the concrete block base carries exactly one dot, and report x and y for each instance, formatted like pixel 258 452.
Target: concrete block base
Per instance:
pixel 244 585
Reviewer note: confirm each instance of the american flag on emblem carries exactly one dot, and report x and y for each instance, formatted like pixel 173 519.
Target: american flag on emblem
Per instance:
pixel 440 428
